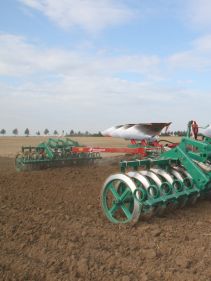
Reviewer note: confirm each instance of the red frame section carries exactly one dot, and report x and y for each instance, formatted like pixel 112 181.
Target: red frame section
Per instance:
pixel 145 147
pixel 127 150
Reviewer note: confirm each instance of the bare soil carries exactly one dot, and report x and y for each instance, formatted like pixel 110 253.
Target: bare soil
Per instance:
pixel 52 228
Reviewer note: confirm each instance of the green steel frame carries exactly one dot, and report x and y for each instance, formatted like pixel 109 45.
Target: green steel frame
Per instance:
pixel 53 152
pixel 191 157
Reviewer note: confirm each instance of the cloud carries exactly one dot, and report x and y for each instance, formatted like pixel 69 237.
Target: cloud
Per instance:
pixel 87 104
pixel 189 60
pixel 90 15
pixel 96 15
pixel 74 77
pixel 45 81
pixel 19 57
pixel 81 90
pixel 197 58
pixel 29 60
pixel 198 12
pixel 203 44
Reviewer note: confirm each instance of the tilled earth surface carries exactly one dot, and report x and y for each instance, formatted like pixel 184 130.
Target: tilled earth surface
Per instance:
pixel 52 228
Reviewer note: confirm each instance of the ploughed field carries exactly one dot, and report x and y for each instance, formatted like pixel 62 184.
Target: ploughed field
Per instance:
pixel 52 228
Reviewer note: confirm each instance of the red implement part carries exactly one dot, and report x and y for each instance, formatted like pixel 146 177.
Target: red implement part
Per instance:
pixel 142 151
pixel 172 145
pixel 139 150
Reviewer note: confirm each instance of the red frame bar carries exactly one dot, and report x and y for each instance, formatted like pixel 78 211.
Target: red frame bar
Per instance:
pixel 139 150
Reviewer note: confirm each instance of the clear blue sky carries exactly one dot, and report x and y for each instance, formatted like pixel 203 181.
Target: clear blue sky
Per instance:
pixel 88 65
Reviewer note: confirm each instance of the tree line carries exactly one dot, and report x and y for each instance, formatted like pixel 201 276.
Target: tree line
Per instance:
pixel 46 132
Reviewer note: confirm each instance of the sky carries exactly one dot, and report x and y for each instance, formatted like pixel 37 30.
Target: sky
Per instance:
pixel 87 65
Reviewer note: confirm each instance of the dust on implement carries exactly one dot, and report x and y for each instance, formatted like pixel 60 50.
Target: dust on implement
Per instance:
pixel 53 153
pixel 152 186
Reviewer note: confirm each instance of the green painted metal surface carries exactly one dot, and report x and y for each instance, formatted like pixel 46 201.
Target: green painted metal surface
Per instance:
pixel 52 153
pixel 175 178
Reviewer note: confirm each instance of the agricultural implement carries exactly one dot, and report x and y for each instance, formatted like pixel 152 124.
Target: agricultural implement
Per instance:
pixel 65 152
pixel 53 153
pixel 152 186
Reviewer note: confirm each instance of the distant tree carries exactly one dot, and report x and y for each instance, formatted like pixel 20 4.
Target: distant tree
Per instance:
pixel 15 132
pixel 97 134
pixel 55 132
pixel 38 133
pixel 3 132
pixel 46 132
pixel 87 133
pixel 26 132
pixel 72 132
